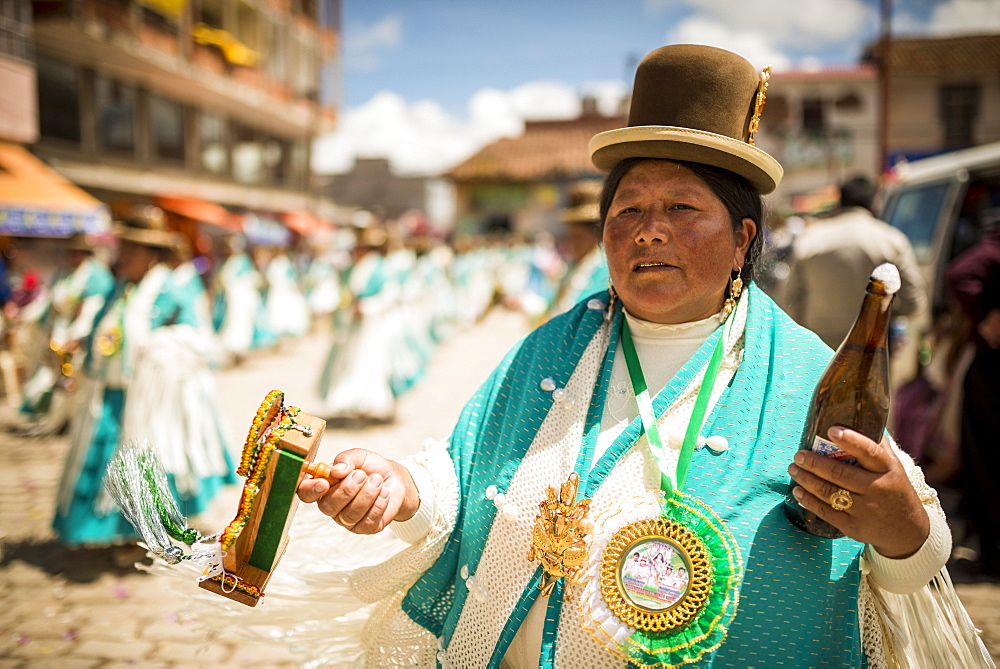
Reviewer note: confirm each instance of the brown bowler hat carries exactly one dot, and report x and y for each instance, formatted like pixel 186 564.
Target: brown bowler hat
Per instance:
pixel 694 103
pixel 145 230
pixel 583 203
pixel 79 242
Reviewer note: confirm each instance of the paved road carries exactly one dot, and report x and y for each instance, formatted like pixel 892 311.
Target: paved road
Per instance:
pixel 78 609
pixel 63 608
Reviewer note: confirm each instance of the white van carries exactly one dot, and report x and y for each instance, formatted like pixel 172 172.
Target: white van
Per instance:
pixel 942 203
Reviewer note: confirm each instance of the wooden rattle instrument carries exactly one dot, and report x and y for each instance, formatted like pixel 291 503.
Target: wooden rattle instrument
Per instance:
pixel 277 456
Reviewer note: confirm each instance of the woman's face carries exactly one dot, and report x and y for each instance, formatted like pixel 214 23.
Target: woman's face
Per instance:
pixel 133 261
pixel 670 244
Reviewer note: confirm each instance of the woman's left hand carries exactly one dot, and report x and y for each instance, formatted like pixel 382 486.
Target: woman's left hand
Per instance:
pixel 886 511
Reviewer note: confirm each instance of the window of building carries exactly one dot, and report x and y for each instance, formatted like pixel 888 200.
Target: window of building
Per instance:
pixel 330 84
pixel 161 16
pixel 959 110
pixel 298 166
pixel 306 8
pixel 303 66
pixel 210 12
pixel 275 160
pixel 115 105
pixel 775 112
pixel 813 117
pixel 166 121
pixel 329 14
pixel 851 103
pixel 15 28
pixel 58 100
pixel 248 155
pixel 212 142
pixel 248 26
pixel 272 49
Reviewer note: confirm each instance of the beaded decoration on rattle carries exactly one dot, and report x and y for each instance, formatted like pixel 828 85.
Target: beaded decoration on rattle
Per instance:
pixel 237 563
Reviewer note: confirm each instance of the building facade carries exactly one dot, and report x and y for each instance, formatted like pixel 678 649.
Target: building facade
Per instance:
pixel 205 108
pixel 944 93
pixel 521 184
pixel 822 126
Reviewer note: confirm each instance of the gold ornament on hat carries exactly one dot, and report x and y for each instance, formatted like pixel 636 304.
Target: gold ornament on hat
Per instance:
pixel 765 76
pixel 558 536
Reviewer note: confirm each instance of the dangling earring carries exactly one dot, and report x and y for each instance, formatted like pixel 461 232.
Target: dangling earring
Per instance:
pixel 735 290
pixel 611 302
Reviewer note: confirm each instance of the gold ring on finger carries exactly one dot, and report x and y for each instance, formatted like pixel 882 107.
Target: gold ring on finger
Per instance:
pixel 841 500
pixel 349 526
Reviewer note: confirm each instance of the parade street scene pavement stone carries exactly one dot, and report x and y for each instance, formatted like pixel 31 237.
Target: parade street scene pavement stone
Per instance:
pixel 92 608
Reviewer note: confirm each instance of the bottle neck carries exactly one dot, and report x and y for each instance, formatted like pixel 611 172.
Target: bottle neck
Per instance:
pixel 872 325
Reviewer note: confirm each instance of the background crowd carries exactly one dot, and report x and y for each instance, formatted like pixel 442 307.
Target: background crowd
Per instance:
pixel 386 300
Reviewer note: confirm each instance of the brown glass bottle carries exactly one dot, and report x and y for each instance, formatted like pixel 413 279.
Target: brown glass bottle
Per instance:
pixel 853 391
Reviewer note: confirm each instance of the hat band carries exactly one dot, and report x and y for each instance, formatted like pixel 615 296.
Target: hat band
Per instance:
pixel 676 143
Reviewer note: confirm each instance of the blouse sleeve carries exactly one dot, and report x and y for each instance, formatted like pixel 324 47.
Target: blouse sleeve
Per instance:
pixel 380 581
pixel 416 528
pixel 906 575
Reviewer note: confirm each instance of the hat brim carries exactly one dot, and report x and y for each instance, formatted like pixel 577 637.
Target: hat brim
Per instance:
pixel 609 148
pixel 79 245
pixel 585 213
pixel 160 239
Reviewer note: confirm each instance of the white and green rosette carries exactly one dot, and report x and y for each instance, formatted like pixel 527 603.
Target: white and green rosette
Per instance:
pixel 662 589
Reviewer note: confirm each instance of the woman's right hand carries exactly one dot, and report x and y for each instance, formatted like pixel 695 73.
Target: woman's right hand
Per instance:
pixel 365 492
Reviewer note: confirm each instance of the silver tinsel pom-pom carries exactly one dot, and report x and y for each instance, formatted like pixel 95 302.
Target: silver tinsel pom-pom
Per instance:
pixel 173 555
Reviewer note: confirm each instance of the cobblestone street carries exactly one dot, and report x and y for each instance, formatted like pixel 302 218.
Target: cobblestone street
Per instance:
pixel 80 608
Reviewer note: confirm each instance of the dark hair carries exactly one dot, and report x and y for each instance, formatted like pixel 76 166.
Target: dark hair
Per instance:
pixel 857 192
pixel 740 199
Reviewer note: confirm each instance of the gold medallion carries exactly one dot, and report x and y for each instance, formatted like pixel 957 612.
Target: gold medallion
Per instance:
pixel 656 575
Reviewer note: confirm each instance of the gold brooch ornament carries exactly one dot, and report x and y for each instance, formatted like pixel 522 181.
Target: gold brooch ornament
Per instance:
pixel 765 76
pixel 558 535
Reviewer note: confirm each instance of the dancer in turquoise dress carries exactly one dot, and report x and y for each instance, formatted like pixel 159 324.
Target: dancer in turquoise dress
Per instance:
pixel 356 380
pixel 145 378
pixel 586 269
pixel 74 299
pixel 238 310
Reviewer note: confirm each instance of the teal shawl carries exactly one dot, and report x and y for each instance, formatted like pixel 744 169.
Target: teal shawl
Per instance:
pixel 798 601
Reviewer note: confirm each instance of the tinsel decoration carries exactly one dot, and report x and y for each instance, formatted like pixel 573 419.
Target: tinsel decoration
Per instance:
pixel 136 480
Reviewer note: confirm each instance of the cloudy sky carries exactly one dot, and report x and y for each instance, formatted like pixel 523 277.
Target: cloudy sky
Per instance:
pixel 427 83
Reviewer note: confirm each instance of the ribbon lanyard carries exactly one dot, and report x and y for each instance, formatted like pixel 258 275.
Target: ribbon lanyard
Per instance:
pixel 671 481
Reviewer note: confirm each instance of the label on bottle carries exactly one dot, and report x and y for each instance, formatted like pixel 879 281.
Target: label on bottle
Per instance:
pixel 831 450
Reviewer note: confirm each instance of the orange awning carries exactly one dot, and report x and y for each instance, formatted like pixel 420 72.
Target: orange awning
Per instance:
pixel 200 210
pixel 38 201
pixel 305 223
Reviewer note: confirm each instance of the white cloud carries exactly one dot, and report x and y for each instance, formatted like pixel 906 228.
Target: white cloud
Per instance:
pixel 766 31
pixel 609 94
pixel 539 100
pixel 905 22
pixel 751 45
pixel 799 24
pixel 421 138
pixel 955 17
pixel 363 45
